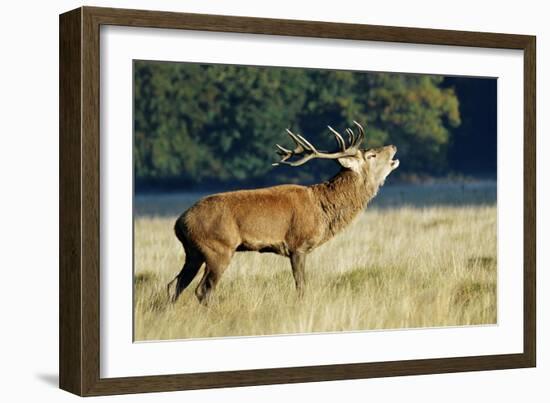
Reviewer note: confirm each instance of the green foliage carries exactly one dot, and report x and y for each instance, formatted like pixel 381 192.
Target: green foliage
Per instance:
pixel 196 123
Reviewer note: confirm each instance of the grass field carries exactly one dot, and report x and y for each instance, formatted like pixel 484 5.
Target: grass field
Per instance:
pixel 394 267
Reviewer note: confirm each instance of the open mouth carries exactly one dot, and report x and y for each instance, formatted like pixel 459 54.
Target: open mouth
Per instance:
pixel 394 163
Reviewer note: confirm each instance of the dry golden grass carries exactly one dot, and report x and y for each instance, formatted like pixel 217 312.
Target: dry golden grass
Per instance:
pixel 392 268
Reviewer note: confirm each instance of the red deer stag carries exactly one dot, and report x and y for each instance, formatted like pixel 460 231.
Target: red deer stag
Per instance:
pixel 288 220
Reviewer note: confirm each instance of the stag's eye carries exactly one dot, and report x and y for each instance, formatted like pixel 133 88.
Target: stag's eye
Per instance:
pixel 372 156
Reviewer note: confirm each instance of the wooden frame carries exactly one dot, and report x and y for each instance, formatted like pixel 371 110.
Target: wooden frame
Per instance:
pixel 79 201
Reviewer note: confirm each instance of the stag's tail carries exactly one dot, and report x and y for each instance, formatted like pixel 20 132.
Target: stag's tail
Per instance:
pixel 193 262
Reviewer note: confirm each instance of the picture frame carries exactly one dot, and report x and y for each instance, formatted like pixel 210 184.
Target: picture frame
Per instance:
pixel 80 154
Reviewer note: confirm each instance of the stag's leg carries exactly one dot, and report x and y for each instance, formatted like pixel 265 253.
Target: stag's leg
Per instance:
pixel 215 266
pixel 298 262
pixel 193 262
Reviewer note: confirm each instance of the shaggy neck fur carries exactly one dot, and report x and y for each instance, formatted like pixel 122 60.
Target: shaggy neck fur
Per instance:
pixel 343 197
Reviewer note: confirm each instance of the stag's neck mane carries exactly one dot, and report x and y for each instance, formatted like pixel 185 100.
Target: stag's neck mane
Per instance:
pixel 343 197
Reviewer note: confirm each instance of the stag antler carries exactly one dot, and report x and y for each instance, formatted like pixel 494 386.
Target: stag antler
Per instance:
pixel 308 150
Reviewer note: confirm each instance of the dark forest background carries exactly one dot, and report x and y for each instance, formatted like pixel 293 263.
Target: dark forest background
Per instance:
pixel 215 126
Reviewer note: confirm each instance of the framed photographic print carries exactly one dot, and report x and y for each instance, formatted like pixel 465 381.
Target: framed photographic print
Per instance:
pixel 249 201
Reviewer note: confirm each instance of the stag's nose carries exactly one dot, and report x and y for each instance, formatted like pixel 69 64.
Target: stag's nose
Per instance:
pixel 392 149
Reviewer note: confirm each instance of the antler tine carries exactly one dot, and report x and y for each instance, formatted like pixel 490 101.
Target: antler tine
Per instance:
pixel 339 138
pixel 285 154
pixel 296 140
pixel 306 144
pixel 361 135
pixel 351 136
pixel 301 141
pixel 282 149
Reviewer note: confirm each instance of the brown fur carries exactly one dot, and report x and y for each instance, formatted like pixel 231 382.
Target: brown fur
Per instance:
pixel 288 220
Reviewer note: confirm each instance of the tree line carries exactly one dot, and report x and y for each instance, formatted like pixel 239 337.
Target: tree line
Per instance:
pixel 197 124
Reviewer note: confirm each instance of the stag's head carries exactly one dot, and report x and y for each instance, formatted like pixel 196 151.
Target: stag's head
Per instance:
pixel 373 164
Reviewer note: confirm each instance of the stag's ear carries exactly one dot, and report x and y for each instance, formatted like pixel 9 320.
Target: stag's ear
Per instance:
pixel 353 163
